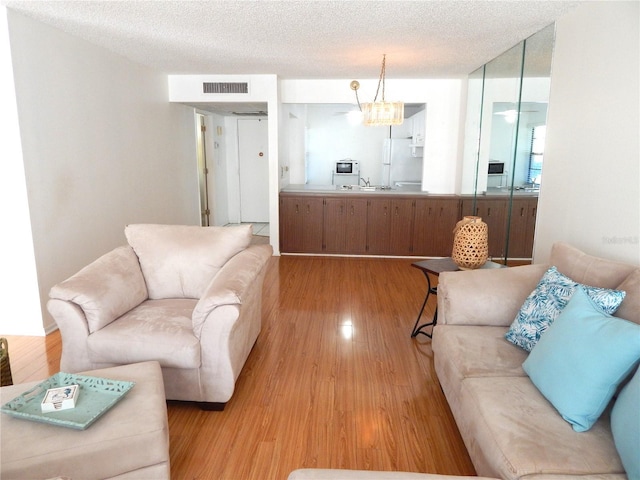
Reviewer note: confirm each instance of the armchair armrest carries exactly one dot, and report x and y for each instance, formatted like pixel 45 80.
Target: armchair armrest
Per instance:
pixel 229 285
pixel 105 289
pixel 485 297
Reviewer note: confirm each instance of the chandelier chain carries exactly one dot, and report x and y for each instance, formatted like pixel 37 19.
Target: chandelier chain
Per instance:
pixel 382 78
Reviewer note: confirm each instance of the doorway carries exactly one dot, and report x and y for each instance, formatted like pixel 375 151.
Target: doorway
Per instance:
pixel 253 159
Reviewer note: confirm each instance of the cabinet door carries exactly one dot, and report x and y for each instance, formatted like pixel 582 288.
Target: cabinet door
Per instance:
pixel 435 220
pixel 532 212
pixel 312 224
pixel 301 224
pixel 291 226
pixel 401 233
pixel 356 226
pixel 522 227
pixel 494 213
pixel 378 226
pixel 334 225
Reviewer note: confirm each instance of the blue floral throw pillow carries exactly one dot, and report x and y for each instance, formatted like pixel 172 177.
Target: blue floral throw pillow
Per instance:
pixel 546 302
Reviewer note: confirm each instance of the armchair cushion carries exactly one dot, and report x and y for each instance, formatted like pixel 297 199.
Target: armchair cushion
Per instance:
pixel 105 289
pixel 179 261
pixel 155 330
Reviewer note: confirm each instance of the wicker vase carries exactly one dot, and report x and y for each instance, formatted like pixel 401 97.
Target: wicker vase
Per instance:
pixel 470 243
pixel 5 366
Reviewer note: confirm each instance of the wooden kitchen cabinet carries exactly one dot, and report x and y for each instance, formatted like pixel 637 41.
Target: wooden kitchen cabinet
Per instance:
pixel 301 224
pixel 400 225
pixel 435 219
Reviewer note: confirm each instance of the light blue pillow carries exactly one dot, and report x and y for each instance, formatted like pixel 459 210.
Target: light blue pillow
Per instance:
pixel 582 358
pixel 546 302
pixel 625 425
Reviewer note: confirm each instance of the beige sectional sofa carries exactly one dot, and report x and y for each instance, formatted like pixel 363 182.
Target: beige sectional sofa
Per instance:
pixel 510 429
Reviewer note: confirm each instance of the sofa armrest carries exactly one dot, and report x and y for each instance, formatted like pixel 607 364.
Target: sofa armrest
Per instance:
pixel 105 289
pixel 485 297
pixel 229 285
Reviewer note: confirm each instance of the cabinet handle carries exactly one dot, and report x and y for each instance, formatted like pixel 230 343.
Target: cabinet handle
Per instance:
pixel 441 210
pixel 429 211
pixel 297 209
pixel 522 212
pixel 396 211
pixel 308 208
pixel 352 211
pixel 341 209
pixel 489 212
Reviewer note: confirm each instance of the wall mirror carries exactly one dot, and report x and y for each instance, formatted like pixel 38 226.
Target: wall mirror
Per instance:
pixel 507 106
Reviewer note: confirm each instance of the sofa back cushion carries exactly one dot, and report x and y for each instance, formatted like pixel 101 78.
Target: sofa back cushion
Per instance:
pixel 587 269
pixel 179 261
pixel 630 308
pixel 106 288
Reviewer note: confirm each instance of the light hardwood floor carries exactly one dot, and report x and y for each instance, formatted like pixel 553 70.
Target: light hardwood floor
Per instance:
pixel 334 380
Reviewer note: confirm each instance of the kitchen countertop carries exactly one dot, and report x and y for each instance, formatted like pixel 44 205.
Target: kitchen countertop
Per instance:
pixel 400 190
pixel 331 189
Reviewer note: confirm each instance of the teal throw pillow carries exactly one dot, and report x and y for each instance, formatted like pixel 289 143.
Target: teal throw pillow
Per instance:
pixel 625 426
pixel 545 303
pixel 582 358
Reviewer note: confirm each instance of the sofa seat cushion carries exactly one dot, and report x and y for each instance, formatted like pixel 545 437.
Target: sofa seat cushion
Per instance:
pixel 475 351
pixel 179 261
pixel 517 433
pixel 155 330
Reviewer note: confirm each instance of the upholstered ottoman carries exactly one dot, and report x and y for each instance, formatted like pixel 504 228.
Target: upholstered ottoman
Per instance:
pixel 130 441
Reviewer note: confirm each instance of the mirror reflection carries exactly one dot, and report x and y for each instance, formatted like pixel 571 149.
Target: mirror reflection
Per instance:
pixel 506 119
pixel 339 150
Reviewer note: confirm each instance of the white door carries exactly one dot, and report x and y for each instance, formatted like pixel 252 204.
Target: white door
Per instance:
pixel 253 160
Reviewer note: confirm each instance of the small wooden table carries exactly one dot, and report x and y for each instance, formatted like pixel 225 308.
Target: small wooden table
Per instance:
pixel 436 267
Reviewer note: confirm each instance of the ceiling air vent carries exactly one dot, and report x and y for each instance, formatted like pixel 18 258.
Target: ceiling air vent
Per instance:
pixel 261 113
pixel 225 87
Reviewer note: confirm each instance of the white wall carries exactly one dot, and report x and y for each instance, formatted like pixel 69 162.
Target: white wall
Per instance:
pixel 102 148
pixel 293 145
pixel 19 283
pixel 590 194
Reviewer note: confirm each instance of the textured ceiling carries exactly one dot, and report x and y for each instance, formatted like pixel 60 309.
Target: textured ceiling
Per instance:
pixel 302 39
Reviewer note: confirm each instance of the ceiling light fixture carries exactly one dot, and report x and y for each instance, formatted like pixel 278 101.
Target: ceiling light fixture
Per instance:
pixel 379 113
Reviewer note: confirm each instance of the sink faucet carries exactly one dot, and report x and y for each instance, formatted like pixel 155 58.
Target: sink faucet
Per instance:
pixel 366 182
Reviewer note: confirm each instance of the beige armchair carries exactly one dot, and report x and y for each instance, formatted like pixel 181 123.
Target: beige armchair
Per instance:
pixel 186 296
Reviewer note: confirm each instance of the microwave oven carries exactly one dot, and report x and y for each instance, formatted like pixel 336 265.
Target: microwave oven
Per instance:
pixel 496 168
pixel 348 167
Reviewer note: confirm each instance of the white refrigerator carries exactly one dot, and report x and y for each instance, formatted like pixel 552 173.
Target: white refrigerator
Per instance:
pixel 398 163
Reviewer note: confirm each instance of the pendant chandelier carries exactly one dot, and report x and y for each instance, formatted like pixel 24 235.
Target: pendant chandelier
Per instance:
pixel 379 113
